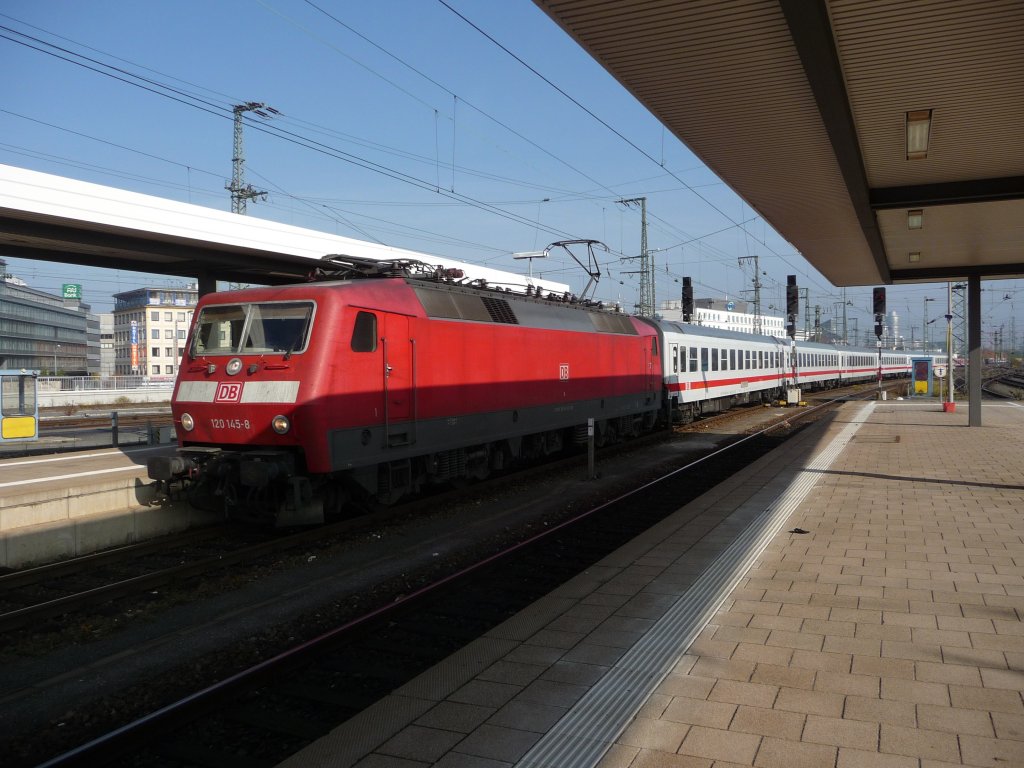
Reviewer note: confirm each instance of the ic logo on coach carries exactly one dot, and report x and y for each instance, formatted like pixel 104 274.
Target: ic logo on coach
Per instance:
pixel 228 392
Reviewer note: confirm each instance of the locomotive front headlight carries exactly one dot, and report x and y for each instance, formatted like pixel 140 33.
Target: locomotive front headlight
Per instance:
pixel 187 422
pixel 280 424
pixel 234 366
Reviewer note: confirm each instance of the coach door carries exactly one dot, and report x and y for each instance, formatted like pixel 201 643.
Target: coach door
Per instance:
pixel 399 381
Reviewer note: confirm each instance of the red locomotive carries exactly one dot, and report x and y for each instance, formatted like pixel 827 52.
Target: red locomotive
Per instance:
pixel 382 377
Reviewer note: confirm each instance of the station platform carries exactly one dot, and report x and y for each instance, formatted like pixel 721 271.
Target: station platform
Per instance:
pixel 853 599
pixel 72 504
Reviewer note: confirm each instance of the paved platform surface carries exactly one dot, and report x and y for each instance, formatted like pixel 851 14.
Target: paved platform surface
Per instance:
pixel 853 600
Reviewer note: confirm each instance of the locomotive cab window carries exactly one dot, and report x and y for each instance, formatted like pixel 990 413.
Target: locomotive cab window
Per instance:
pixel 253 328
pixel 277 327
pixel 364 333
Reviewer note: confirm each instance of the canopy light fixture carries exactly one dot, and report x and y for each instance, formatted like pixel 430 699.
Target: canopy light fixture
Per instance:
pixel 915 219
pixel 915 256
pixel 919 124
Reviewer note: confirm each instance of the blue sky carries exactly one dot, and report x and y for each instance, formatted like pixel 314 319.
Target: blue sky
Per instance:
pixel 401 122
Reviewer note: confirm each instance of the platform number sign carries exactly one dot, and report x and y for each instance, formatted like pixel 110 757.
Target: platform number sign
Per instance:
pixel 563 372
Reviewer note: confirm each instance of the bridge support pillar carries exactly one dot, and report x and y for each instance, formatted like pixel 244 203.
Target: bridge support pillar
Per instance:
pixel 206 284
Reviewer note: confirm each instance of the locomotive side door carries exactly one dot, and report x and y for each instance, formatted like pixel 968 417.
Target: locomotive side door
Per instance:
pixel 399 373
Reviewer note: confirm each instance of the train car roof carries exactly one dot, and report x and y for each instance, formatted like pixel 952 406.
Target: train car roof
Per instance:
pixel 694 329
pixel 456 301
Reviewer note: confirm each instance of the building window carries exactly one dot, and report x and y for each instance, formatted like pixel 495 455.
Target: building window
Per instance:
pixel 154 316
pixel 155 352
pixel 168 317
pixel 155 333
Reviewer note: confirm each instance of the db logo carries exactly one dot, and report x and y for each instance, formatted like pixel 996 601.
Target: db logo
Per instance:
pixel 228 392
pixel 563 372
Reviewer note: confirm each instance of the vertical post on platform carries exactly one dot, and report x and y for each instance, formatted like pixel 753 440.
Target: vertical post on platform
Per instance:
pixel 878 305
pixel 590 449
pixel 879 369
pixel 113 428
pixel 974 347
pixel 949 342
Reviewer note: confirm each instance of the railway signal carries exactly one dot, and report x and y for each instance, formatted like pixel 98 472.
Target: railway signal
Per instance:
pixel 878 304
pixel 792 305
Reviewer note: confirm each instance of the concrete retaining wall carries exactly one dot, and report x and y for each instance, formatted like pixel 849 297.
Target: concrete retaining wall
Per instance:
pixel 40 528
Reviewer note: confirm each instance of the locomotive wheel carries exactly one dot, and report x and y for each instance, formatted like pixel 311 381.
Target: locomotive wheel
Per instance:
pixel 336 501
pixel 200 494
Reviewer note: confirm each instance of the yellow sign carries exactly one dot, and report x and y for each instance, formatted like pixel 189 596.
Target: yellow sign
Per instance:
pixel 15 427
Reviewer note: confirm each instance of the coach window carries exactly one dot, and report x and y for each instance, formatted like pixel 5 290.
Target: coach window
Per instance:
pixel 675 358
pixel 693 359
pixel 364 334
pixel 704 359
pixel 732 359
pixel 714 359
pixel 725 360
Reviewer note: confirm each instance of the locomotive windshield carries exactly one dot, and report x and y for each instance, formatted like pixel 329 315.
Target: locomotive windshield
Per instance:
pixel 253 329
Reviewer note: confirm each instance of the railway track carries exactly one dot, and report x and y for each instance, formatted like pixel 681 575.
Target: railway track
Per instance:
pixel 262 714
pixel 51 421
pixel 33 596
pixel 38 597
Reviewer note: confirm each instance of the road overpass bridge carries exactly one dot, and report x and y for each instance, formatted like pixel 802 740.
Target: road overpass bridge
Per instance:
pixel 52 218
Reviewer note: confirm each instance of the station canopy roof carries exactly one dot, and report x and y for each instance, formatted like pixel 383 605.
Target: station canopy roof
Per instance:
pixel 843 123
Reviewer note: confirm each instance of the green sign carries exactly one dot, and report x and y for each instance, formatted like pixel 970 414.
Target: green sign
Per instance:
pixel 71 291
